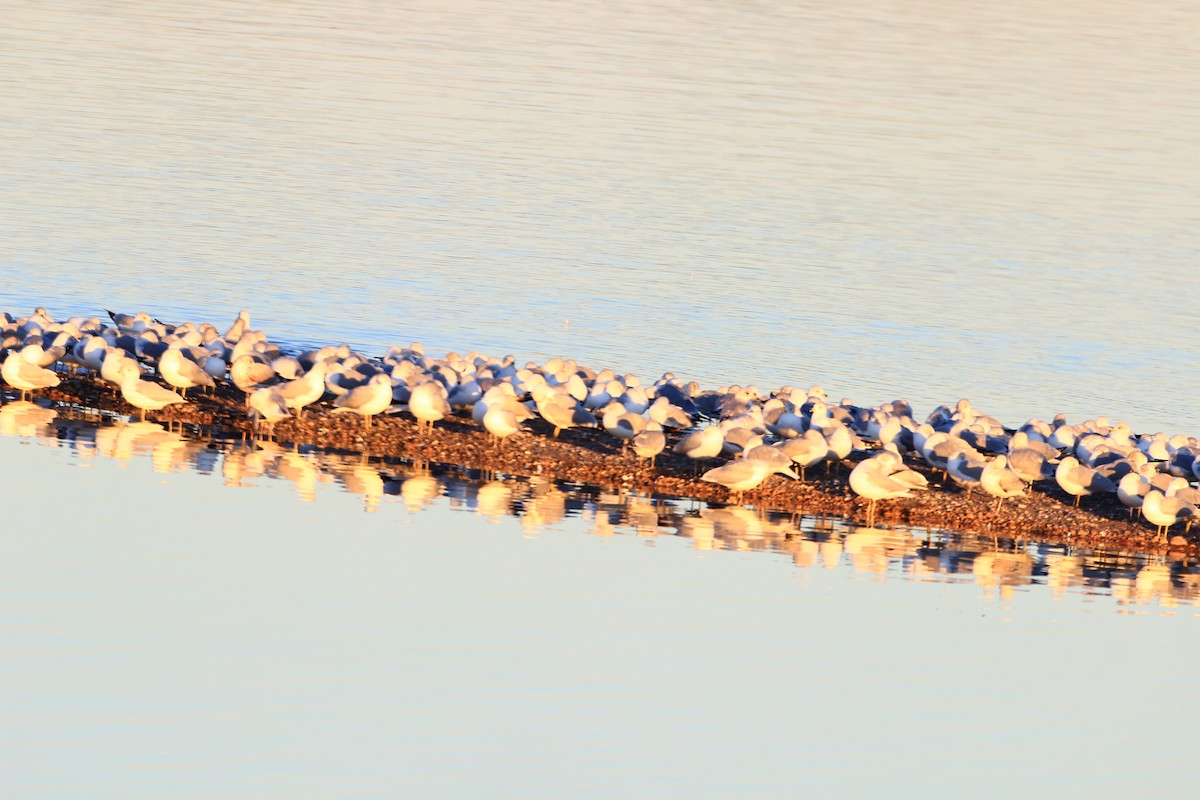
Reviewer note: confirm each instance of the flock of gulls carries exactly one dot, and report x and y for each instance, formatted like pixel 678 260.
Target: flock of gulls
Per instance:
pixel 744 436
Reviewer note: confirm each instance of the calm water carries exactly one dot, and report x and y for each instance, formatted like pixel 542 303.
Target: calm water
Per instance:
pixel 194 619
pixel 992 201
pixel 997 201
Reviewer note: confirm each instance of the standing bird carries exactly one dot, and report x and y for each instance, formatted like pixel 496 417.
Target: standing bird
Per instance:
pixel 650 442
pixel 743 475
pixel 883 477
pixel 702 444
pixel 249 374
pixel 1078 480
pixel 807 450
pixel 145 395
pixel 238 327
pixel 562 411
pixel 267 406
pixel 622 424
pixel 181 372
pixel 500 422
pixel 1000 482
pixel 966 469
pixel 367 400
pixel 1132 490
pixel 1163 512
pixel 26 377
pixel 305 390
pixel 429 403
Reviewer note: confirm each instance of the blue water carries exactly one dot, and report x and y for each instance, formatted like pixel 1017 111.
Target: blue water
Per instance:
pixel 996 206
pixel 891 201
pixel 227 620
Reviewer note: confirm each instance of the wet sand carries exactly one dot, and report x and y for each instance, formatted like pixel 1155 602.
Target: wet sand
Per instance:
pixel 592 457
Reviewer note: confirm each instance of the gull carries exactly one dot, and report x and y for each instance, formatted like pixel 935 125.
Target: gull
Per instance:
pixel 181 372
pixel 26 377
pixel 248 373
pixel 788 424
pixel 562 411
pixel 999 481
pixel 668 415
pixel 500 395
pixel 429 403
pixel 1183 460
pixel 939 447
pixel 1031 463
pixel 306 389
pixel 267 405
pixel 42 357
pixel 841 443
pixel 287 367
pixel 622 424
pixel 370 399
pixel 881 477
pixel 890 458
pixel 739 439
pixel 650 442
pixel 114 362
pixel 742 475
pixel 1132 490
pixel 136 322
pixel 966 469
pixel 500 422
pixel 238 327
pixel 1021 440
pixel 1163 511
pixel 807 450
pixel 774 455
pixel 1078 480
pixel 702 444
pixel 635 400
pixel 144 395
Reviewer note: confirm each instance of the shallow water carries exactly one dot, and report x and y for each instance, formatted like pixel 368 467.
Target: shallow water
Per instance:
pixel 185 618
pixel 998 204
pixel 887 200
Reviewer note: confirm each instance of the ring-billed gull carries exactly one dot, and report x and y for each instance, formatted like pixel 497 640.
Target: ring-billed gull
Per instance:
pixel 1078 480
pixel 622 424
pixel 368 400
pixel 25 377
pixel 429 403
pixel 500 422
pixel 650 442
pixel 1132 490
pixel 249 374
pixel 966 468
pixel 881 477
pixel 702 444
pixel 266 405
pixel 807 450
pixel 181 372
pixel 144 395
pixel 562 410
pixel 238 328
pixel 999 481
pixel 742 475
pixel 307 389
pixel 1163 512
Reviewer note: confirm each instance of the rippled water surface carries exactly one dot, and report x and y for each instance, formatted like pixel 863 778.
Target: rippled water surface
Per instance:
pixel 193 618
pixel 997 201
pixel 894 200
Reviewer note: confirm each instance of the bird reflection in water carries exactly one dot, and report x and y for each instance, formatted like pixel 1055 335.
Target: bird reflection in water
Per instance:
pixel 25 419
pixel 912 554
